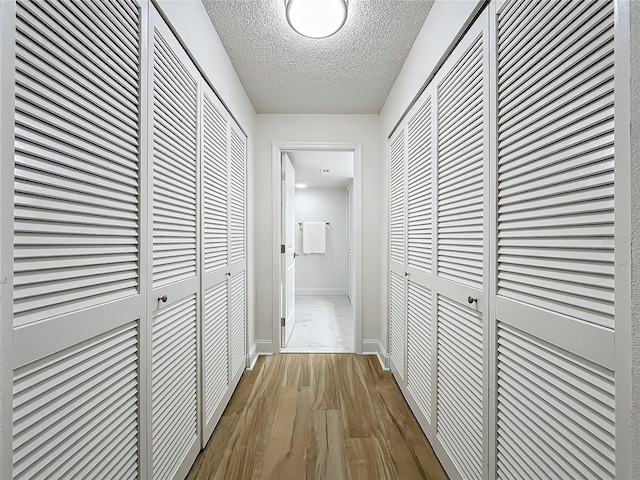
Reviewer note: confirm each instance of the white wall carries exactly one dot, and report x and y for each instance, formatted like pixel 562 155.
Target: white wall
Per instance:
pixel 323 274
pixel 635 238
pixel 319 128
pixel 190 21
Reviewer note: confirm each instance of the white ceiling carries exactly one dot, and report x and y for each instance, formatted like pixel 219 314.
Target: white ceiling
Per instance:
pixel 349 72
pixel 308 166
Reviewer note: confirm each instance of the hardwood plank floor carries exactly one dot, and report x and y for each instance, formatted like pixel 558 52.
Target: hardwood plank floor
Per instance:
pixel 317 417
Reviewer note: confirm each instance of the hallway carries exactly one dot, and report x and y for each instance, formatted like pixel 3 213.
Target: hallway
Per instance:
pixel 350 421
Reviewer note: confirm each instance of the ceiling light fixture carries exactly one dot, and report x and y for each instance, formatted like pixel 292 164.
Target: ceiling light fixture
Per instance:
pixel 302 185
pixel 316 18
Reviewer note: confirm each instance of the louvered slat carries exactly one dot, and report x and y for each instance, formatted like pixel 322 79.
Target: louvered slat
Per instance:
pixel 237 323
pixel 216 349
pixel 459 381
pixel 174 167
pixel 76 412
pixel 419 323
pixel 397 201
pixel 460 170
pixel 419 190
pixel 76 158
pixel 237 196
pixel 397 330
pixel 556 411
pixel 174 398
pixel 214 184
pixel 555 156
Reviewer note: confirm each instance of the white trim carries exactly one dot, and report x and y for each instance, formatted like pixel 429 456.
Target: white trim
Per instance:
pixel 622 224
pixel 263 347
pixel 7 141
pixel 322 292
pixel 375 347
pixel 491 268
pixel 260 347
pixel 276 151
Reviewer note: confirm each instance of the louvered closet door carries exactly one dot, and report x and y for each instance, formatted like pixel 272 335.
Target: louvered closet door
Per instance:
pixel 175 272
pixel 215 253
pixel 555 224
pixel 237 251
pixel 419 230
pixel 77 257
pixel 397 254
pixel 462 238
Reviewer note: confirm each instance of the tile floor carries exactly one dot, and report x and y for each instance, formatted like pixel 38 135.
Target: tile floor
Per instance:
pixel 323 324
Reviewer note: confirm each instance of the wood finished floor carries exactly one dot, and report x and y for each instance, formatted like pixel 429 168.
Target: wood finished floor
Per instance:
pixel 317 416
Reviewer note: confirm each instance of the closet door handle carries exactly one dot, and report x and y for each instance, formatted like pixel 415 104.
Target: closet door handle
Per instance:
pixel 228 274
pixel 295 255
pixel 163 299
pixel 472 300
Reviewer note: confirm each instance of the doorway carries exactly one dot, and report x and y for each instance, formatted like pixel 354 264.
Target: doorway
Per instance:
pixel 316 274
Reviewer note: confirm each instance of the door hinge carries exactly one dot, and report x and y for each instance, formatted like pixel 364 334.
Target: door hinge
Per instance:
pixel 283 249
pixel 282 175
pixel 283 322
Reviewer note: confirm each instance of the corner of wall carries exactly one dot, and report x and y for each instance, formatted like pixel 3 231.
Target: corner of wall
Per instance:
pixel 375 347
pixel 258 348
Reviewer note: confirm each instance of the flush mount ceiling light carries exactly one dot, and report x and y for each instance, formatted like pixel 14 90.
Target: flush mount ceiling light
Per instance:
pixel 316 18
pixel 302 185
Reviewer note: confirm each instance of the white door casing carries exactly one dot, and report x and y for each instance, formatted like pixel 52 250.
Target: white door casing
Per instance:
pixel 276 165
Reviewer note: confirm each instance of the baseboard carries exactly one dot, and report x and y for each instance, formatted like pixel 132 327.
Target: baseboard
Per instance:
pixel 322 292
pixel 374 347
pixel 252 356
pixel 260 347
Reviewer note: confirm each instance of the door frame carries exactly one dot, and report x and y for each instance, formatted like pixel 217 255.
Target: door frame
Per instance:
pixel 277 148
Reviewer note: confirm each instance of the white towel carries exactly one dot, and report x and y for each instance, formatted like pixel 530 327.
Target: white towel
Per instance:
pixel 313 237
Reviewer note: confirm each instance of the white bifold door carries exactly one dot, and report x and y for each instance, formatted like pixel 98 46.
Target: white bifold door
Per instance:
pixel 77 276
pixel 128 252
pixel 198 257
pixel 175 293
pixel 439 238
pixel 223 256
pixel 554 308
pixel 502 246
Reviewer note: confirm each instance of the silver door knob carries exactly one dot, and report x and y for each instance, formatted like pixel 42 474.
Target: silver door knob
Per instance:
pixel 162 299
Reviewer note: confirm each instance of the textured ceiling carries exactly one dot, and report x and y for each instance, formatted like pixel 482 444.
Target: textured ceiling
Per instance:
pixel 309 164
pixel 349 72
